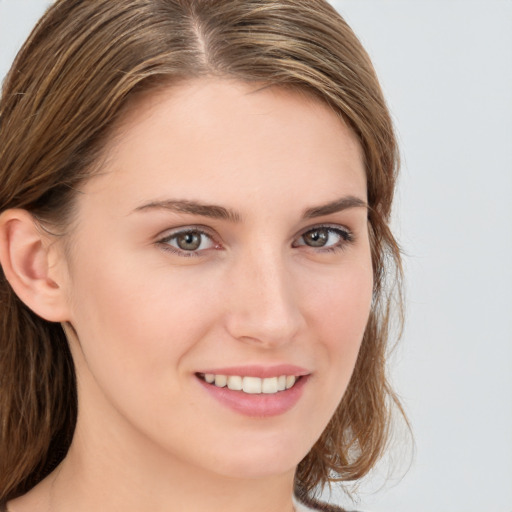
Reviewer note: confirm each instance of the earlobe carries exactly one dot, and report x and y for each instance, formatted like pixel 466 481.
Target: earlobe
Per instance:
pixel 25 260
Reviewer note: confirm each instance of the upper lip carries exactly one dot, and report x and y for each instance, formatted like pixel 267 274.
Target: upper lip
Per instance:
pixel 261 371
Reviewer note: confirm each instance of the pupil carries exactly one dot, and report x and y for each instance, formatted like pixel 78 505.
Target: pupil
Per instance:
pixel 317 238
pixel 189 241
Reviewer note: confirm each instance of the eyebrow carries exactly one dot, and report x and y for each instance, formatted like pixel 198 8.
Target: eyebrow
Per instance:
pixel 336 206
pixel 194 208
pixel 222 213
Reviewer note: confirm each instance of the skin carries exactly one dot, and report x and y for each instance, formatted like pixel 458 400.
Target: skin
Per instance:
pixel 145 319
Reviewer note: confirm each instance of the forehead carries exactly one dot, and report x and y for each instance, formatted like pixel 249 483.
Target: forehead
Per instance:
pixel 220 136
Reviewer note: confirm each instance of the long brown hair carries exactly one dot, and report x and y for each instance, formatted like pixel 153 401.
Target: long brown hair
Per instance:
pixel 82 64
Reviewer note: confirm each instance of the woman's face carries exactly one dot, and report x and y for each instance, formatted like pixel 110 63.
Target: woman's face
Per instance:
pixel 225 241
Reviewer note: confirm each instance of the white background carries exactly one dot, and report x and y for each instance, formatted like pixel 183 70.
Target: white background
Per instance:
pixel 446 69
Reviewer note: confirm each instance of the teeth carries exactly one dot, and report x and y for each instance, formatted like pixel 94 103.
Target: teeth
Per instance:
pixel 290 381
pixel 269 385
pixel 252 385
pixel 235 383
pixel 221 381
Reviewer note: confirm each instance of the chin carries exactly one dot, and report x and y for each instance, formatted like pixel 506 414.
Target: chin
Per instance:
pixel 262 459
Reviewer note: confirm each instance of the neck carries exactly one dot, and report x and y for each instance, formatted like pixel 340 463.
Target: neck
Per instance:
pixel 101 473
pixel 113 466
pixel 80 486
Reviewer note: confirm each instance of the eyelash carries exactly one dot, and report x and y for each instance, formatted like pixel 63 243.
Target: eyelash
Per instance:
pixel 164 242
pixel 346 237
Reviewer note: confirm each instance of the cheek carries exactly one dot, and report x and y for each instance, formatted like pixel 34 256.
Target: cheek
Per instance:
pixel 339 312
pixel 338 307
pixel 135 322
pixel 341 305
pixel 136 329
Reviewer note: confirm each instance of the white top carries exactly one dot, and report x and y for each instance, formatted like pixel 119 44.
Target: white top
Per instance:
pixel 299 507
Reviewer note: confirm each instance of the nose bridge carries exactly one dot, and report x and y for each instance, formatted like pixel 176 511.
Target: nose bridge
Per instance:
pixel 263 306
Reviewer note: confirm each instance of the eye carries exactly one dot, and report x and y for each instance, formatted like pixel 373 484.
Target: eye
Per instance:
pixel 189 242
pixel 325 237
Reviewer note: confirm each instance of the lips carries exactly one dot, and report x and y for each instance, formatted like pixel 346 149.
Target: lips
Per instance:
pixel 255 390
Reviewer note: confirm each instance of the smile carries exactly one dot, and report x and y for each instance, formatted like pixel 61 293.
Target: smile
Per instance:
pixel 250 385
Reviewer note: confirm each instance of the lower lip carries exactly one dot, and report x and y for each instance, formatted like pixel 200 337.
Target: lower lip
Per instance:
pixel 257 405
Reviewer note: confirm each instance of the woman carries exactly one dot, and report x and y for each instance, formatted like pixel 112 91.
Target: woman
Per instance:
pixel 194 246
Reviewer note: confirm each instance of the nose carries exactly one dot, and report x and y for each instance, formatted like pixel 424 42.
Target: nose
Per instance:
pixel 263 306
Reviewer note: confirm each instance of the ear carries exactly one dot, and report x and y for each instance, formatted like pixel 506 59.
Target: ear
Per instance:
pixel 29 259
